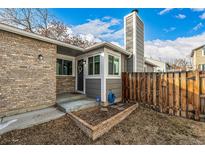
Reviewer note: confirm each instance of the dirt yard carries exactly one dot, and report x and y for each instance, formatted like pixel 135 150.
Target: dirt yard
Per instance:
pixel 143 126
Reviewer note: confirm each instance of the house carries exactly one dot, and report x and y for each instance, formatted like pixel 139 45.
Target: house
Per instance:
pixel 34 69
pixel 198 58
pixel 149 66
pixel 153 65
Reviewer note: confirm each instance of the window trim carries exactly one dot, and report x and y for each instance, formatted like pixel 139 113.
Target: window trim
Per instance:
pixel 72 74
pixel 119 67
pixel 203 51
pixel 94 75
pixel 69 58
pixel 202 67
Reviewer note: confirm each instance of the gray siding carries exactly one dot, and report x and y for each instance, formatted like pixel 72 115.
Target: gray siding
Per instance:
pixel 140 45
pixel 124 63
pixel 116 86
pixel 129 30
pixel 149 68
pixel 129 33
pixel 93 87
pixel 130 64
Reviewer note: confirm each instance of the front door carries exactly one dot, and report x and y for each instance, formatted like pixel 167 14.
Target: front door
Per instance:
pixel 80 75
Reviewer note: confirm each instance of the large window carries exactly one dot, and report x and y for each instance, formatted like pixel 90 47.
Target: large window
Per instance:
pixel 63 67
pixel 203 67
pixel 113 65
pixel 94 65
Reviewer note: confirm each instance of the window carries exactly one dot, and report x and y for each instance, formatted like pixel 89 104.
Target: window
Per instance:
pixel 113 65
pixel 90 65
pixel 203 67
pixel 94 65
pixel 63 67
pixel 203 52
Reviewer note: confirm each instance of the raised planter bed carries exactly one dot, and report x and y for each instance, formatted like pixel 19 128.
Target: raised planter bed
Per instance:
pixel 94 122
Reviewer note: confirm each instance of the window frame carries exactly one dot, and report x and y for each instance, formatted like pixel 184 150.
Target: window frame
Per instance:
pixel 203 51
pixel 62 71
pixel 93 65
pixel 202 67
pixel 113 69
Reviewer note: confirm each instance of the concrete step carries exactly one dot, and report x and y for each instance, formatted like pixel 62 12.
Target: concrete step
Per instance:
pixel 77 105
pixel 29 119
pixel 64 98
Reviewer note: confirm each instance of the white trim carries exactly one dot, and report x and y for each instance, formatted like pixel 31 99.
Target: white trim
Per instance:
pixel 76 78
pixel 93 75
pixel 134 42
pixel 116 55
pixel 70 58
pixel 203 51
pixel 38 37
pixel 103 78
pixel 107 44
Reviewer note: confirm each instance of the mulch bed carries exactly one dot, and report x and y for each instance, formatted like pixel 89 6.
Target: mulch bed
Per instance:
pixel 96 115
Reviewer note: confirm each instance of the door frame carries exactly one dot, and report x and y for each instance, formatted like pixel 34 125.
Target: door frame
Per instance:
pixel 76 79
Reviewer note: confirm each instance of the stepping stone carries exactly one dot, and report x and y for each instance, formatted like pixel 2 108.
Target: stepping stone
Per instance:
pixel 120 108
pixel 104 109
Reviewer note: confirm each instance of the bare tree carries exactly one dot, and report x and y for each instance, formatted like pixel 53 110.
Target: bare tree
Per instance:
pixel 44 18
pixel 40 21
pixel 20 17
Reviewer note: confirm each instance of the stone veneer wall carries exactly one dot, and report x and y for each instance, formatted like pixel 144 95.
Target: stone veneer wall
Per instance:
pixel 65 84
pixel 26 83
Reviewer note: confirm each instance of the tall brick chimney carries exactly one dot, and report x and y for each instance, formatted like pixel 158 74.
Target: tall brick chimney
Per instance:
pixel 134 41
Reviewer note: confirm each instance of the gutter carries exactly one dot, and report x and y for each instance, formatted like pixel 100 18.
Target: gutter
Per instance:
pixel 14 30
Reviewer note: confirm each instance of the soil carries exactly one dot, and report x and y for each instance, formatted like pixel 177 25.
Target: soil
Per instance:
pixel 143 126
pixel 99 115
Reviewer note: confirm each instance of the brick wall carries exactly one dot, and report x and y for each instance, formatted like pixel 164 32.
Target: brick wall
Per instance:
pixel 25 82
pixel 65 84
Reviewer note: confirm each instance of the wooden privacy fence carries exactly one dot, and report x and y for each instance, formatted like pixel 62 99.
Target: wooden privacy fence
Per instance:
pixel 176 93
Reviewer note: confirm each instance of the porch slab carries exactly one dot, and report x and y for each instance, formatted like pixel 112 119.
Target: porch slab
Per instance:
pixel 77 105
pixel 68 97
pixel 29 119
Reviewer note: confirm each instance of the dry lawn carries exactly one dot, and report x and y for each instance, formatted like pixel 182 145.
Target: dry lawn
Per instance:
pixel 143 126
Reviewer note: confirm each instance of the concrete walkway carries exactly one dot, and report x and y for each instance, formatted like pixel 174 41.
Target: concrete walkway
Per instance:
pixel 29 119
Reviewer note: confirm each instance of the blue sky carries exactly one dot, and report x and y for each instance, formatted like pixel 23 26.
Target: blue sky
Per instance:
pixel 165 29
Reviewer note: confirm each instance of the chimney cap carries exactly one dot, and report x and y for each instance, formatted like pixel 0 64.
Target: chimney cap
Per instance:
pixel 135 10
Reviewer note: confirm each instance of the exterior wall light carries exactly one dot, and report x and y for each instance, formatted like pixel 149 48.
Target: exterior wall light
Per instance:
pixel 84 62
pixel 40 57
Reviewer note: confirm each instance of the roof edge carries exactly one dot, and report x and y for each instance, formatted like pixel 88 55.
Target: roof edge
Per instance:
pixel 107 44
pixel 21 32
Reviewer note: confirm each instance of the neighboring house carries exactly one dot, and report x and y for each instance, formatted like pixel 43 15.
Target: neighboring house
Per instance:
pixel 34 69
pixel 198 58
pixel 157 66
pixel 149 66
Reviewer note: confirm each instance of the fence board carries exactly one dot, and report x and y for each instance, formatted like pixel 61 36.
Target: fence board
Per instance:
pixel 177 93
pixel 190 97
pixel 171 93
pixel 148 89
pixel 154 91
pixel 134 86
pixel 183 94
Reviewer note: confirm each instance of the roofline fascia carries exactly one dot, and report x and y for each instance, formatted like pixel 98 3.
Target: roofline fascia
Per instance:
pixel 37 37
